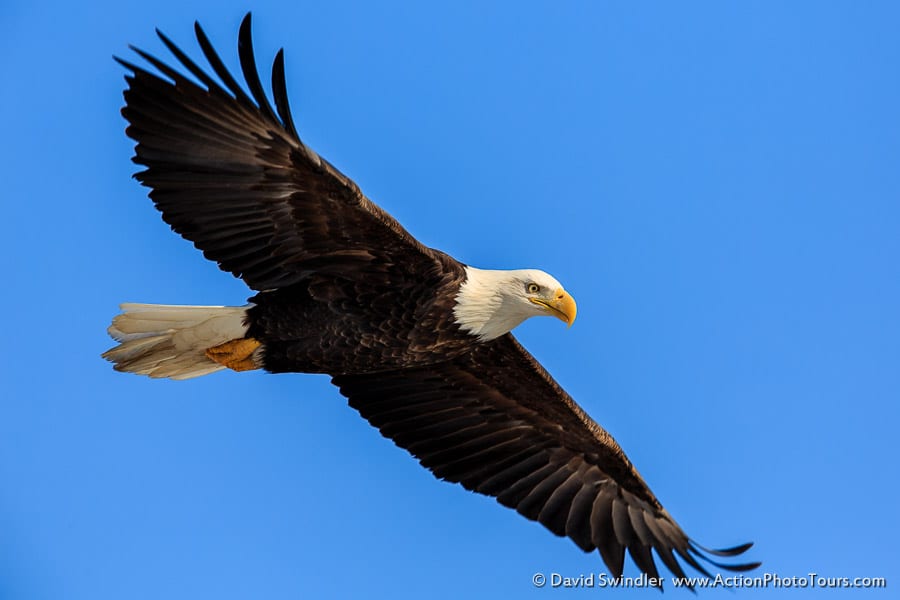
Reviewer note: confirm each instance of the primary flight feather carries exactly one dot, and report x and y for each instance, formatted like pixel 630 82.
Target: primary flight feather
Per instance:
pixel 418 342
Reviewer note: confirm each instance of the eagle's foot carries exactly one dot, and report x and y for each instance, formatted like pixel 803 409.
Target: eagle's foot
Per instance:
pixel 235 354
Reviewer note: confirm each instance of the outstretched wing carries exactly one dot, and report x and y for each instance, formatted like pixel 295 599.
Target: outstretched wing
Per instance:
pixel 497 423
pixel 230 174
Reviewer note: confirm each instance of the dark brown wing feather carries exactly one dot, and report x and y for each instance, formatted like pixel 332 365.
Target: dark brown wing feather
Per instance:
pixel 229 173
pixel 497 423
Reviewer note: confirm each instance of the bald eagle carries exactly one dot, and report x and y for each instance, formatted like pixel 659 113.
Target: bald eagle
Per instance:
pixel 418 342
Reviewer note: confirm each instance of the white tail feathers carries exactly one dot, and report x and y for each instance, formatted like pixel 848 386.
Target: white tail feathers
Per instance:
pixel 162 340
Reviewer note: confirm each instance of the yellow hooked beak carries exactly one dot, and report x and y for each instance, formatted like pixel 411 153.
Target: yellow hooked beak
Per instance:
pixel 561 305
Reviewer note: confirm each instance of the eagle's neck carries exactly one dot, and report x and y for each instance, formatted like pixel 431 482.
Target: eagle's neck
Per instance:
pixel 483 309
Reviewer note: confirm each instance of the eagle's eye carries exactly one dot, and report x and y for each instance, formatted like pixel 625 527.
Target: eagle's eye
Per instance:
pixel 532 288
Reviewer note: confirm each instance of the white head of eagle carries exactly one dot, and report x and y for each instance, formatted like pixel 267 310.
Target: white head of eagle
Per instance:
pixel 492 303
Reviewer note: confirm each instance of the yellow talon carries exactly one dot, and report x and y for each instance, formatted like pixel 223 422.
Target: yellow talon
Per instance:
pixel 237 354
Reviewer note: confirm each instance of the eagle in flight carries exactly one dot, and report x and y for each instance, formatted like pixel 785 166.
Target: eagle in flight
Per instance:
pixel 417 341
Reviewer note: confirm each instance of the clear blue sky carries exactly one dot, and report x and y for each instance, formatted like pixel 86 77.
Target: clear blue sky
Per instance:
pixel 718 184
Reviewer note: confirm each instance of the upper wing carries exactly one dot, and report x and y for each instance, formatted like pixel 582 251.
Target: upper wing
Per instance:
pixel 497 423
pixel 231 175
